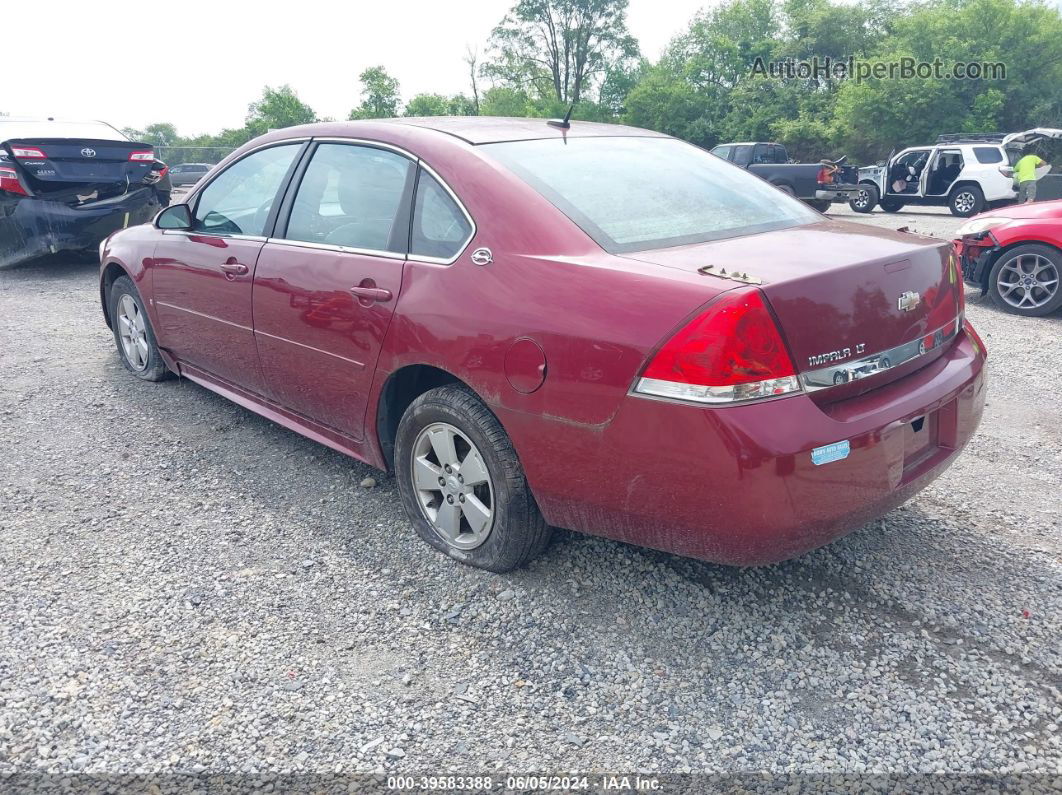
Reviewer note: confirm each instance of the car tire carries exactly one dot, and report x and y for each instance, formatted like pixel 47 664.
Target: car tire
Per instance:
pixel 891 205
pixel 820 205
pixel 788 191
pixel 865 198
pixel 133 335
pixel 446 509
pixel 966 200
pixel 1007 280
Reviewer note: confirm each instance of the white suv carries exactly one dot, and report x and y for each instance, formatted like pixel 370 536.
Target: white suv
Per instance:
pixel 962 172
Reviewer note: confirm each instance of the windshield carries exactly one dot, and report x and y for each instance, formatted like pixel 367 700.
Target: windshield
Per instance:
pixel 634 194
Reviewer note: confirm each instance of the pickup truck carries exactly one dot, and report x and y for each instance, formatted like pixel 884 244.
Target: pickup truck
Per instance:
pixel 817 184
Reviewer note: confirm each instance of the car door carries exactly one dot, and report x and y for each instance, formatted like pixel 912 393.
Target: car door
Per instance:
pixel 202 277
pixel 326 285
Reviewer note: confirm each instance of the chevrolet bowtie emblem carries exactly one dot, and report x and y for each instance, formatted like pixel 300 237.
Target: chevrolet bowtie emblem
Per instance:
pixel 908 301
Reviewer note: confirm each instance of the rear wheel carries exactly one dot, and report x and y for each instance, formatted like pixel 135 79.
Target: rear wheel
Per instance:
pixel 818 204
pixel 133 335
pixel 891 205
pixel 461 484
pixel 865 198
pixel 966 200
pixel 1025 280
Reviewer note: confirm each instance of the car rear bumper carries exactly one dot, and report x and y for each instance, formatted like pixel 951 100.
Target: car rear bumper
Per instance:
pixel 740 485
pixel 32 227
pixel 836 193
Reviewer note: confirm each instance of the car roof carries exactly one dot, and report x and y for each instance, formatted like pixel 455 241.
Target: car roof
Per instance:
pixel 494 129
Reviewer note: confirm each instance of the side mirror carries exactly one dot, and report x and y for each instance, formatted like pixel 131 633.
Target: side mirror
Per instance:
pixel 176 216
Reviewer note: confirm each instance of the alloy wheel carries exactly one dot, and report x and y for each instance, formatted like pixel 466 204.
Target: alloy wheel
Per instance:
pixel 1027 281
pixel 965 202
pixel 862 198
pixel 132 331
pixel 453 486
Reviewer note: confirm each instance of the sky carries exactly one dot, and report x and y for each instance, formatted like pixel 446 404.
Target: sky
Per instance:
pixel 201 71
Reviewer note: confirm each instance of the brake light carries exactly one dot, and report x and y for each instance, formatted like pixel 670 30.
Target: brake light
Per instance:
pixel 9 181
pixel 142 156
pixel 824 177
pixel 27 153
pixel 732 352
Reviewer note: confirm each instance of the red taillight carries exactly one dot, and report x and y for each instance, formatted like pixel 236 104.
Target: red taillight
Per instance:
pixel 824 177
pixel 9 181
pixel 27 153
pixel 142 156
pixel 731 352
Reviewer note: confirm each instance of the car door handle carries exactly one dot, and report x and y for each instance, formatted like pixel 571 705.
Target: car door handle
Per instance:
pixel 233 267
pixel 371 293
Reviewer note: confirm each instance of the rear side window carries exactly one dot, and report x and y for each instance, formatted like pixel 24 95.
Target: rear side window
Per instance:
pixel 352 196
pixel 722 151
pixel 440 228
pixel 742 155
pixel 239 199
pixel 988 154
pixel 634 194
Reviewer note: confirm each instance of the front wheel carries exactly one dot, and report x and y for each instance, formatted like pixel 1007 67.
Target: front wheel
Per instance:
pixel 1025 280
pixel 865 199
pixel 462 485
pixel 133 335
pixel 966 200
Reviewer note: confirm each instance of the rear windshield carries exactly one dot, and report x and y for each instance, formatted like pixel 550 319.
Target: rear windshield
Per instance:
pixel 16 130
pixel 634 194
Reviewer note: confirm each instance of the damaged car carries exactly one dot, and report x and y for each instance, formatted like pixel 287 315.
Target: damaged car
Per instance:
pixel 66 185
pixel 1014 254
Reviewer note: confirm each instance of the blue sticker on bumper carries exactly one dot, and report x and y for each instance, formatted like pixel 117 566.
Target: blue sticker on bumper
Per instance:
pixel 837 451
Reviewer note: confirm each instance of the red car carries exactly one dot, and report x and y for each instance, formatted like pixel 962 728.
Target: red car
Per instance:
pixel 537 324
pixel 1015 255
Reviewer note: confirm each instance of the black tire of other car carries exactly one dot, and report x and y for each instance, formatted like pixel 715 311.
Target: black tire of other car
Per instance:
pixel 1025 259
pixel 785 189
pixel 891 205
pixel 865 198
pixel 966 200
pixel 518 532
pixel 820 205
pixel 152 368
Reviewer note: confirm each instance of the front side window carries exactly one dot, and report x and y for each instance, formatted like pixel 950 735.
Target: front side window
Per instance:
pixel 742 155
pixel 440 229
pixel 722 151
pixel 634 194
pixel 353 196
pixel 238 200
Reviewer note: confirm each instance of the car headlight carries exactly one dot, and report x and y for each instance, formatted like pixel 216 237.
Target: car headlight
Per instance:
pixel 978 225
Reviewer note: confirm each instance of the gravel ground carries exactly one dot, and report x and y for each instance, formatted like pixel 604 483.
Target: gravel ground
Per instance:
pixel 189 587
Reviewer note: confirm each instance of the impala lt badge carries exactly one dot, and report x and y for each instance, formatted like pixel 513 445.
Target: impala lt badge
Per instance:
pixel 836 356
pixel 908 301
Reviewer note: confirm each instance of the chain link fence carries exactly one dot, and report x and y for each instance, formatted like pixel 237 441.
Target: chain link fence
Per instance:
pixel 172 155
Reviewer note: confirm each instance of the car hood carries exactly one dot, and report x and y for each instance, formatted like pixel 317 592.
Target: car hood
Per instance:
pixel 1032 211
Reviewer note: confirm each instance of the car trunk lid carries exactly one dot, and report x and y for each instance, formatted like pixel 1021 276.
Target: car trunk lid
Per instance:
pixel 79 170
pixel 851 301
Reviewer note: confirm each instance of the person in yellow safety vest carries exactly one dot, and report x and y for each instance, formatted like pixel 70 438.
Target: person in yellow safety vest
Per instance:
pixel 1025 176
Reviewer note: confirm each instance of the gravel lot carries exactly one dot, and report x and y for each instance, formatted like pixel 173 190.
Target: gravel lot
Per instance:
pixel 189 587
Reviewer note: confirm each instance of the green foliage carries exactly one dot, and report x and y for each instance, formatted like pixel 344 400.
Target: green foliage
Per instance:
pixel 379 95
pixel 548 54
pixel 559 49
pixel 277 108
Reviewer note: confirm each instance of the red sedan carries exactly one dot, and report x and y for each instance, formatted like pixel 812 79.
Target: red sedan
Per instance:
pixel 534 325
pixel 1015 255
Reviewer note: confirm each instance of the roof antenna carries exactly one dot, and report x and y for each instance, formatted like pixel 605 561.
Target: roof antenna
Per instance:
pixel 564 123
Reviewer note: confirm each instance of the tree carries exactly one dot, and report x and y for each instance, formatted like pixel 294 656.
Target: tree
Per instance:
pixel 472 60
pixel 379 95
pixel 558 48
pixel 428 105
pixel 277 108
